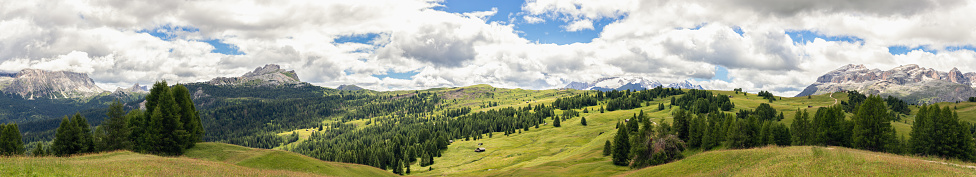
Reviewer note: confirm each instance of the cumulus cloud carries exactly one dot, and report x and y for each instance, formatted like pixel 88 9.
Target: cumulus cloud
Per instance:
pixel 664 40
pixel 579 25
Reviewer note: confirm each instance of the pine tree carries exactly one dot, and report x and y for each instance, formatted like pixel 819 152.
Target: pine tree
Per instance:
pixel 116 128
pixel 871 125
pixel 583 121
pixel 555 123
pixel 86 141
pixel 801 129
pixel 607 148
pixel 11 142
pixel 189 117
pixel 136 121
pixel 621 148
pixel 65 138
pixel 681 124
pixel 38 151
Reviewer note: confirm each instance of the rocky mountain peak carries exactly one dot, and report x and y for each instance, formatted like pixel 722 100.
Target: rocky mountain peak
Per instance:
pixel 268 75
pixel 910 82
pixel 36 83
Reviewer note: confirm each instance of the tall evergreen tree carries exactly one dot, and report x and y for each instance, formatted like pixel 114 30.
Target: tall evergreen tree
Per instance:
pixel 682 124
pixel 86 140
pixel 621 147
pixel 136 122
pixel 188 115
pixel 116 128
pixel 555 123
pixel 607 148
pixel 11 142
pixel 871 125
pixel 65 138
pixel 801 129
pixel 583 121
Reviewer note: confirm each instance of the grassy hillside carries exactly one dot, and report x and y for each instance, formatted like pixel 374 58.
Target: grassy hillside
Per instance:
pixel 278 160
pixel 805 161
pixel 575 150
pixel 207 159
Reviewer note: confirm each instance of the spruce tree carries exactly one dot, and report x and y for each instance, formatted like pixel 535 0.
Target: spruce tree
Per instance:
pixel 555 123
pixel 15 138
pixel 681 124
pixel 11 142
pixel 607 148
pixel 871 125
pixel 65 138
pixel 188 115
pixel 136 122
pixel 583 121
pixel 621 148
pixel 38 150
pixel 800 129
pixel 116 127
pixel 86 140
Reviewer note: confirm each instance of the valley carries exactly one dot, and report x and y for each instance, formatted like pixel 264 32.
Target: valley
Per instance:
pixel 519 136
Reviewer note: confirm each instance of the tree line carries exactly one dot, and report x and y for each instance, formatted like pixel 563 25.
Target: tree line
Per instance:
pixel 169 126
pixel 936 132
pixel 11 142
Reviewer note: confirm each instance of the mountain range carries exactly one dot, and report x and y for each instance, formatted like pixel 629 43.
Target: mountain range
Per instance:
pixel 35 83
pixel 625 83
pixel 909 82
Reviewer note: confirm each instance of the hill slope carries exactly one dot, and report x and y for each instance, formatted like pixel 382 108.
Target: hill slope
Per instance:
pixel 804 161
pixel 207 159
pixel 278 160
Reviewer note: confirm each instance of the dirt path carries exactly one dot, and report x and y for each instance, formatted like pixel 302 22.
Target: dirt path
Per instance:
pixel 945 163
pixel 832 96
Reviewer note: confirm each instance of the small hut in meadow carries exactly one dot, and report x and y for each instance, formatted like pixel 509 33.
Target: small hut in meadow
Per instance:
pixel 479 150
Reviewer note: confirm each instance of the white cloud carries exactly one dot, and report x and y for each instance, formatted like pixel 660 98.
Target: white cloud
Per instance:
pixel 648 38
pixel 533 19
pixel 579 25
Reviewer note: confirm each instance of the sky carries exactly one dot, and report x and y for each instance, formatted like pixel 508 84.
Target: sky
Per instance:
pixel 780 46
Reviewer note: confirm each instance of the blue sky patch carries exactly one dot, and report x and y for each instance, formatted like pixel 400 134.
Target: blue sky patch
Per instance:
pixel 738 30
pixel 168 32
pixel 404 75
pixel 510 11
pixel 224 48
pixel 721 73
pixel 552 32
pixel 901 50
pixel 357 38
pixel 806 36
pixel 964 47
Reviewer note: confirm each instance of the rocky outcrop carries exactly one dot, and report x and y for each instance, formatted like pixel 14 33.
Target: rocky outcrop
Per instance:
pixel 348 87
pixel 35 83
pixel 269 75
pixel 911 82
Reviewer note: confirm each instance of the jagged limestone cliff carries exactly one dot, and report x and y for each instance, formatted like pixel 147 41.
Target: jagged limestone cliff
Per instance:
pixel 910 82
pixel 35 83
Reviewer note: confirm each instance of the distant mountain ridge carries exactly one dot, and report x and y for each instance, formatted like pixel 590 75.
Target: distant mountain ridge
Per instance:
pixel 268 75
pixel 348 87
pixel 910 82
pixel 36 83
pixel 625 83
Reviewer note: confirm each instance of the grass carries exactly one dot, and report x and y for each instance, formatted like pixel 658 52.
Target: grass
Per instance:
pixel 802 161
pixel 206 159
pixel 576 150
pixel 125 163
pixel 278 160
